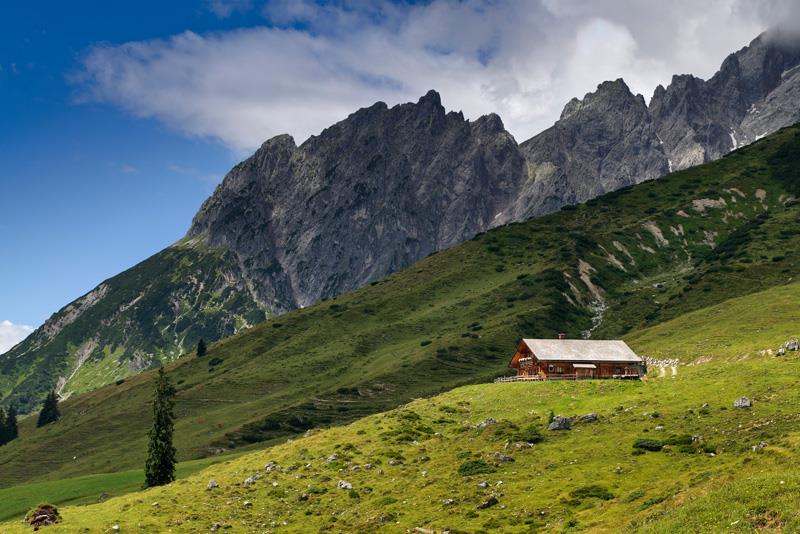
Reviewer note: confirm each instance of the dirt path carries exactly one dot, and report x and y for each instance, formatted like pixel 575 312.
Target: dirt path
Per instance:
pixel 674 371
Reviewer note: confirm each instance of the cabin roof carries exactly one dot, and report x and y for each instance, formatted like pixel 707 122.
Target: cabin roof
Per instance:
pixel 581 350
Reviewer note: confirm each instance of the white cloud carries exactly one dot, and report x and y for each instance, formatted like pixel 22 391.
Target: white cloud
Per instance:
pixel 225 8
pixel 522 60
pixel 11 334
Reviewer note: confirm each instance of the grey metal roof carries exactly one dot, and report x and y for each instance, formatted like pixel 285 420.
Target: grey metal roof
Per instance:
pixel 582 350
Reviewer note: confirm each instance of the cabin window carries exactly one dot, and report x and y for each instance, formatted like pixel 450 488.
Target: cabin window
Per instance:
pixel 618 370
pixel 550 368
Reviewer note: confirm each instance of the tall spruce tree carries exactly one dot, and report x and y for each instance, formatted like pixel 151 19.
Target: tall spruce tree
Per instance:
pixel 201 348
pixel 49 413
pixel 160 465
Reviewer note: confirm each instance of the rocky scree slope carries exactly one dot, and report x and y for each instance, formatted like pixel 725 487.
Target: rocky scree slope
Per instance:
pixel 375 193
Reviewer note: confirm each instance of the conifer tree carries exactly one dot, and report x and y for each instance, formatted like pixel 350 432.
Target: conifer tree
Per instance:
pixel 49 413
pixel 3 431
pixel 12 431
pixel 201 348
pixel 160 464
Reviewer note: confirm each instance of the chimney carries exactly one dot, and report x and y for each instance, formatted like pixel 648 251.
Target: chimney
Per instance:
pixel 562 335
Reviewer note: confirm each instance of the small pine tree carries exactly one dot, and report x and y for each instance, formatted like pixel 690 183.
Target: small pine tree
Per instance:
pixel 3 430
pixel 49 413
pixel 160 465
pixel 201 348
pixel 12 431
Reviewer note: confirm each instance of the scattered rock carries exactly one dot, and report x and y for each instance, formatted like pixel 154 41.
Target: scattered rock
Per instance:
pixel 559 423
pixel 344 485
pixel 760 446
pixel 215 526
pixel 103 496
pixel 488 503
pixel 659 428
pixel 332 458
pixel 483 484
pixel 213 484
pixel 588 418
pixel 487 422
pixel 743 402
pixel 503 457
pixel 115 528
pixel 303 497
pixel 247 504
pixel 421 530
pixel 249 481
pixel 394 462
pixel 448 502
pixel 271 466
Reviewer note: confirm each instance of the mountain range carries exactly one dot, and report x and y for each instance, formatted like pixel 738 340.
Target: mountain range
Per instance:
pixel 384 188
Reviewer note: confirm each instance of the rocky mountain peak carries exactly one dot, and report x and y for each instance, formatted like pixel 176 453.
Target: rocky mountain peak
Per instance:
pixel 431 98
pixel 369 195
pixel 699 120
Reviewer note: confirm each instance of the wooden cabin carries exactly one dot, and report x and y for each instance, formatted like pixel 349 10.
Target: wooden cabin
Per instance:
pixel 575 359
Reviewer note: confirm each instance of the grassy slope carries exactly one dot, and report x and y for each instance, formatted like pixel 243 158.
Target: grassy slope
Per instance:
pixel 14 502
pixel 454 318
pixel 94 345
pixel 675 490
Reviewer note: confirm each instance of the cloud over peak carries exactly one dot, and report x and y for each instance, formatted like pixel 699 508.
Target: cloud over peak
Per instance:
pixel 311 65
pixel 11 334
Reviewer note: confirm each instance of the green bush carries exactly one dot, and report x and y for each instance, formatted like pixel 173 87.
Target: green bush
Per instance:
pixel 683 439
pixel 592 491
pixel 529 434
pixel 648 444
pixel 475 467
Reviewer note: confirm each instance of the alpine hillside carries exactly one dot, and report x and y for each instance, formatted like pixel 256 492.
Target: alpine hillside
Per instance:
pixel 379 191
pixel 629 260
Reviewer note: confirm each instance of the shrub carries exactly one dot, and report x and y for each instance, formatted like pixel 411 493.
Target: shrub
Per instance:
pixel 648 444
pixel 215 361
pixel 592 491
pixel 425 343
pixel 683 439
pixel 529 434
pixel 634 495
pixel 652 501
pixel 475 467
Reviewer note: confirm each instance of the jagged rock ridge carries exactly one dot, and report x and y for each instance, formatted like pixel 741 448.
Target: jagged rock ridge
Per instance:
pixel 754 93
pixel 368 196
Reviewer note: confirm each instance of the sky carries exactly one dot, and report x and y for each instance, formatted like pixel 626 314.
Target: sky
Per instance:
pixel 117 119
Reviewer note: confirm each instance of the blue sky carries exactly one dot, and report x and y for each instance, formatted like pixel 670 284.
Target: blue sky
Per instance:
pixel 118 118
pixel 87 190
